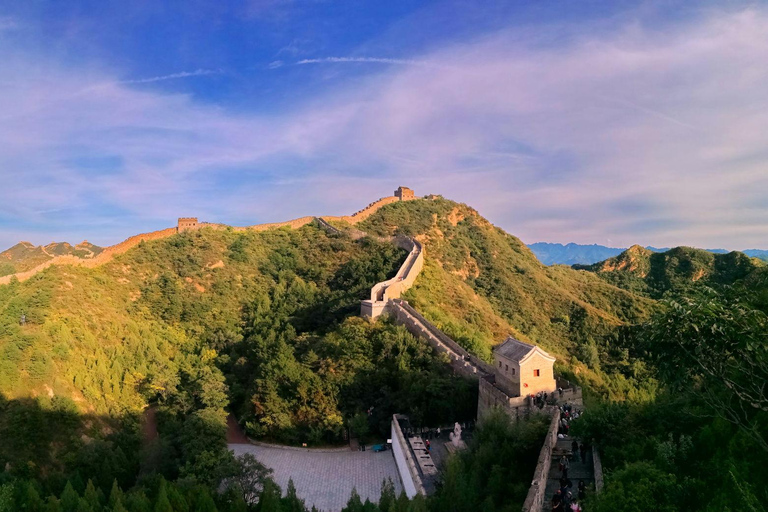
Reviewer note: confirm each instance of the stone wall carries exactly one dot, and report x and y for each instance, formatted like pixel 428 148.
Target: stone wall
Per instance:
pixel 406 465
pixel 383 293
pixel 489 396
pixel 598 468
pixel 366 212
pixel 537 493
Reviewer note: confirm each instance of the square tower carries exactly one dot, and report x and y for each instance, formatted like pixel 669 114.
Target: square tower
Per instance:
pixel 404 194
pixel 187 224
pixel 522 369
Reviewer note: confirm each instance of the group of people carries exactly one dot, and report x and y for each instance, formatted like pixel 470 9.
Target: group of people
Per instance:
pixel 563 500
pixel 567 414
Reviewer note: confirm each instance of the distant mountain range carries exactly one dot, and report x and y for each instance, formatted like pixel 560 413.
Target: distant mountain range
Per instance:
pixel 24 255
pixel 578 254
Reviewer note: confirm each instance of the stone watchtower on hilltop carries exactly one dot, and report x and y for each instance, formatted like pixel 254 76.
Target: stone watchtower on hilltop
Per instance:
pixel 187 224
pixel 522 369
pixel 404 194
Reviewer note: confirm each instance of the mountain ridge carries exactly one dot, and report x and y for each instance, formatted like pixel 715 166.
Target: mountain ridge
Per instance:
pixel 572 253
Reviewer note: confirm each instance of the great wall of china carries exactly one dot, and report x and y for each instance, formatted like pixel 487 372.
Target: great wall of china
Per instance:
pixel 190 223
pixel 385 300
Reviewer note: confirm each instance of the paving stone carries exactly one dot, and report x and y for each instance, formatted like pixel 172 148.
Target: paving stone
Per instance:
pixel 325 478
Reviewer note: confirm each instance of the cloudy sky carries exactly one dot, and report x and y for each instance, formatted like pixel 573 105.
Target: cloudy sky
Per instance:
pixel 592 122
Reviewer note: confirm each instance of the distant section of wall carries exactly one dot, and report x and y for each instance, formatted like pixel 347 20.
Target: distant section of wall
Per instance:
pixel 406 466
pixel 106 255
pixel 367 211
pixel 537 493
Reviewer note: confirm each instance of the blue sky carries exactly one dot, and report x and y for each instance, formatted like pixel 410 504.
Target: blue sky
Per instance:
pixel 593 122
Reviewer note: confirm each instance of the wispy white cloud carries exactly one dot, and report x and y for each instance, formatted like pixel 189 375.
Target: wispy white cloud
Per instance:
pixel 636 135
pixel 275 64
pixel 174 76
pixel 375 60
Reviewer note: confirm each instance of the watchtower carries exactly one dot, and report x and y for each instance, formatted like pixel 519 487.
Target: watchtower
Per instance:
pixel 523 369
pixel 187 224
pixel 404 194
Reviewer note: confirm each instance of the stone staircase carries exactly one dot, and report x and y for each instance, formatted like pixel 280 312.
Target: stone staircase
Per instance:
pixel 579 470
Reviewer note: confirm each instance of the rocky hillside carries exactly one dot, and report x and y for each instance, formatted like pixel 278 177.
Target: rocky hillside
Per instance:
pixel 650 273
pixel 24 255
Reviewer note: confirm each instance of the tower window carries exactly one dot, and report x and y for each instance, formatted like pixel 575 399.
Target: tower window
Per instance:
pixel 536 373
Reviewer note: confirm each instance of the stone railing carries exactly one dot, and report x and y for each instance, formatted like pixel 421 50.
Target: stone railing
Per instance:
pixel 537 493
pixel 406 465
pixel 598 468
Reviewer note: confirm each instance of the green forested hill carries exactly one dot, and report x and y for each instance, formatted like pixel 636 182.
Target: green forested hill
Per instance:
pixel 651 273
pixel 480 281
pixel 265 325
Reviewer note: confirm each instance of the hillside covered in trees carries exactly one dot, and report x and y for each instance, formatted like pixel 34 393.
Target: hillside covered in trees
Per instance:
pixel 265 325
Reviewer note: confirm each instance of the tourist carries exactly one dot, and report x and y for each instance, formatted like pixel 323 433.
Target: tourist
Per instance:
pixel 582 490
pixel 575 449
pixel 566 465
pixel 429 446
pixel 557 502
pixel 575 507
pixel 563 460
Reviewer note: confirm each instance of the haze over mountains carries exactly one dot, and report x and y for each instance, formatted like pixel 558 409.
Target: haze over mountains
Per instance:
pixel 587 254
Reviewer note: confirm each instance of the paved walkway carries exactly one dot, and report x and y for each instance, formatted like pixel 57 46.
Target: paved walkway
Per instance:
pixel 579 470
pixel 325 478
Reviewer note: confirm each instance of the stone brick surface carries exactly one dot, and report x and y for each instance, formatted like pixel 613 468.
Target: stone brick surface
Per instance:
pixel 325 479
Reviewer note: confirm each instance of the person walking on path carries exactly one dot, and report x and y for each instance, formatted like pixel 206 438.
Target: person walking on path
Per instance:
pixel 575 449
pixel 582 490
pixel 566 466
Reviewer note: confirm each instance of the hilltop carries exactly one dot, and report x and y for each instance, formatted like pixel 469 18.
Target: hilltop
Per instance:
pixel 653 273
pixel 25 256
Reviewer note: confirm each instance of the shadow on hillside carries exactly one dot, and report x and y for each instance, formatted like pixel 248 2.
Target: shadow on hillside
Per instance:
pixel 51 441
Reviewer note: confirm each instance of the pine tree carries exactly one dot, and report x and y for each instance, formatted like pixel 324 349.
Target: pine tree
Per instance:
pixel 84 506
pixel 204 502
pixel 161 503
pixel 69 498
pixel 115 495
pixel 92 496
pixel 32 500
pixel 291 502
pixel 177 501
pixel 269 500
pixel 388 496
pixel 418 504
pixel 53 505
pixel 354 504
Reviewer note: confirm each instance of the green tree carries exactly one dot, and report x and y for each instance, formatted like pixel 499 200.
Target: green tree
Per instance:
pixel 69 498
pixel 270 498
pixel 162 504
pixel 291 502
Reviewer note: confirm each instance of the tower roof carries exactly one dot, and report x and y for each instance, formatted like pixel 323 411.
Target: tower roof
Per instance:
pixel 516 350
